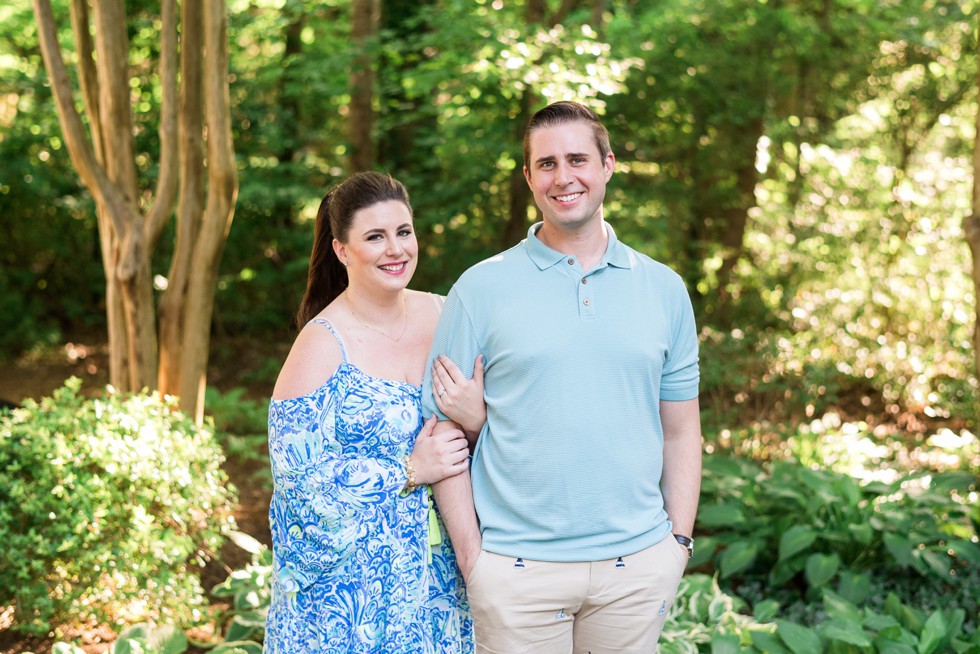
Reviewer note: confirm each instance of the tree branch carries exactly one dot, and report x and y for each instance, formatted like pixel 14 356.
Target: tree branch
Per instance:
pixel 79 148
pixel 166 191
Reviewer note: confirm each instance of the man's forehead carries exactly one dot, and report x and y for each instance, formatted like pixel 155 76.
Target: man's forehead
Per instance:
pixel 563 139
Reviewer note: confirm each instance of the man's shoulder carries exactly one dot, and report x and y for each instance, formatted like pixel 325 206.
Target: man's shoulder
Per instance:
pixel 493 270
pixel 647 265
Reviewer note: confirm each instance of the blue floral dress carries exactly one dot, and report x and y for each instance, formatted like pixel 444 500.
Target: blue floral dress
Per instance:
pixel 353 570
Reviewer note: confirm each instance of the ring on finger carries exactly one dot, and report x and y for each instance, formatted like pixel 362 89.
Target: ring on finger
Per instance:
pixel 442 391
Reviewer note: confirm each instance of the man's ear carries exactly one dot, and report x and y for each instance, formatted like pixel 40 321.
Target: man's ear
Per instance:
pixel 610 165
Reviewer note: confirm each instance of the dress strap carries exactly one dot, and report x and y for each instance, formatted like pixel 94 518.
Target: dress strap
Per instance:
pixel 340 341
pixel 438 300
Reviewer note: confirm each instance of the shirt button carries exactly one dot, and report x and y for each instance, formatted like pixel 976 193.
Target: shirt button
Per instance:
pixel 585 302
pixel 585 281
pixel 571 262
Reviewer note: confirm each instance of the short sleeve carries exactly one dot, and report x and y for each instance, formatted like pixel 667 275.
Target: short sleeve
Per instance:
pixel 456 338
pixel 681 373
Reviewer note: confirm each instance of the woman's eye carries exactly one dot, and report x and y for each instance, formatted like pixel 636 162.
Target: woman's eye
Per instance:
pixel 405 232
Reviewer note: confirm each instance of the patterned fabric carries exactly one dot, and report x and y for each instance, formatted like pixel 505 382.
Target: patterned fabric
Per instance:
pixel 352 571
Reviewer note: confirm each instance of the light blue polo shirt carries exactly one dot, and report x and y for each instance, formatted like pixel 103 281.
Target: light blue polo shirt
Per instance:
pixel 568 465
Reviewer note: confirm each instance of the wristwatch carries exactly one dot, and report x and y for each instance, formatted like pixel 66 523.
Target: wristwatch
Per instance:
pixel 687 542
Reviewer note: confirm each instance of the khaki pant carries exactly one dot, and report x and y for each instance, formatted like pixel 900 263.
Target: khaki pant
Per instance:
pixel 536 607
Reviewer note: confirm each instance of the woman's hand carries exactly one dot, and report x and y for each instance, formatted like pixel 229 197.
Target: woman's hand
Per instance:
pixel 458 397
pixel 440 451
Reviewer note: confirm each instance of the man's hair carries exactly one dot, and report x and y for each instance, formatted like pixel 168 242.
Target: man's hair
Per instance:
pixel 559 113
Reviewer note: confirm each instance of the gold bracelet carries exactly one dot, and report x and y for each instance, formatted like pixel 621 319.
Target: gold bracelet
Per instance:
pixel 410 485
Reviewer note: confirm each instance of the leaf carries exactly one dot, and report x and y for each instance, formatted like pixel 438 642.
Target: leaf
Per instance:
pixel 854 587
pixel 885 625
pixel 933 633
pixel 966 550
pixel 799 639
pixel 862 533
pixel 821 568
pixel 721 515
pixel 138 631
pixel 239 629
pixel 795 540
pixel 893 646
pixel 248 543
pixel 66 648
pixel 768 642
pixel 845 631
pixel 837 607
pixel 938 562
pixel 238 647
pixel 899 547
pixel 725 644
pixel 765 610
pixel 704 552
pixel 167 639
pixel 737 557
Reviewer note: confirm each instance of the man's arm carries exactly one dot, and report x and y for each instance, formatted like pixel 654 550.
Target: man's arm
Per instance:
pixel 681 481
pixel 454 496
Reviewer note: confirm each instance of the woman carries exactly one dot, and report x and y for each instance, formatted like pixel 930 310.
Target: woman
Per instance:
pixel 360 565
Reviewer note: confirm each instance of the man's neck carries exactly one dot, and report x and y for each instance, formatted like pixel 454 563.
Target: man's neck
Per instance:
pixel 587 244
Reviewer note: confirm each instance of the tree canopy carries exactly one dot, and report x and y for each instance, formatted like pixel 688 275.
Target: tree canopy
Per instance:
pixel 806 166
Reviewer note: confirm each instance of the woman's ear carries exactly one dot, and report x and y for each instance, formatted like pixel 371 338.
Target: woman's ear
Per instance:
pixel 340 250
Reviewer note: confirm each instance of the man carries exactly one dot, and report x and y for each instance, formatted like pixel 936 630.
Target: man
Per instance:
pixel 586 474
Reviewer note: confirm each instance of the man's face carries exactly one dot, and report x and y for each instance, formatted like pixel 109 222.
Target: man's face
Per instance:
pixel 567 175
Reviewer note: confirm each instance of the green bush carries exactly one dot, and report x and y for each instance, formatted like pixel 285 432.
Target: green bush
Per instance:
pixel 705 618
pixel 796 529
pixel 106 507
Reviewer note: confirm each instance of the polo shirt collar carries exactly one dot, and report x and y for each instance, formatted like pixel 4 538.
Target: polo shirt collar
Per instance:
pixel 616 254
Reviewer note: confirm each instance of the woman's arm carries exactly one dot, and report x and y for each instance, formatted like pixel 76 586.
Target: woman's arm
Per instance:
pixel 461 399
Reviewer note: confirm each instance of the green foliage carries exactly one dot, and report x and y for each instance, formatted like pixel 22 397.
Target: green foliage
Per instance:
pixel 234 413
pixel 796 530
pixel 250 591
pixel 241 427
pixel 704 618
pixel 107 505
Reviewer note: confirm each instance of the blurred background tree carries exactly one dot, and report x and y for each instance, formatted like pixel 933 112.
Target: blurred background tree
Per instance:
pixel 806 166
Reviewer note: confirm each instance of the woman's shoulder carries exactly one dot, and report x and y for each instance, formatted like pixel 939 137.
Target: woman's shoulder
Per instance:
pixel 315 356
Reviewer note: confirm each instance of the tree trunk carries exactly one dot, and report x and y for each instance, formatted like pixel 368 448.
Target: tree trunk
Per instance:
pixel 220 209
pixel 366 14
pixel 105 161
pixel 971 229
pixel 190 201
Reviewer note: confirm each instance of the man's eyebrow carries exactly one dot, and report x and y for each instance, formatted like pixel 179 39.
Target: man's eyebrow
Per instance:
pixel 570 155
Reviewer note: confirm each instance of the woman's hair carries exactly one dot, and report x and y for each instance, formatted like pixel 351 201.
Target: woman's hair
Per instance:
pixel 327 277
pixel 565 111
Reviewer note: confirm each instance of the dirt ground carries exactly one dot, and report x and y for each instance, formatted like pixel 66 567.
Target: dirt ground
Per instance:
pixel 36 375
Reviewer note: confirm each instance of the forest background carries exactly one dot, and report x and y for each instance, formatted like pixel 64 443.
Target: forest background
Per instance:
pixel 806 166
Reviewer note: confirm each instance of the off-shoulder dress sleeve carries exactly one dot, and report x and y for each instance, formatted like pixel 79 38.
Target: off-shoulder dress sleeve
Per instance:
pixel 325 500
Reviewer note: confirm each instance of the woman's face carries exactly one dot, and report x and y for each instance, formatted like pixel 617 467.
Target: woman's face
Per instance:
pixel 381 250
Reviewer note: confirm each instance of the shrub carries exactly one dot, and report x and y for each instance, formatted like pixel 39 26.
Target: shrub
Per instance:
pixel 797 529
pixel 106 506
